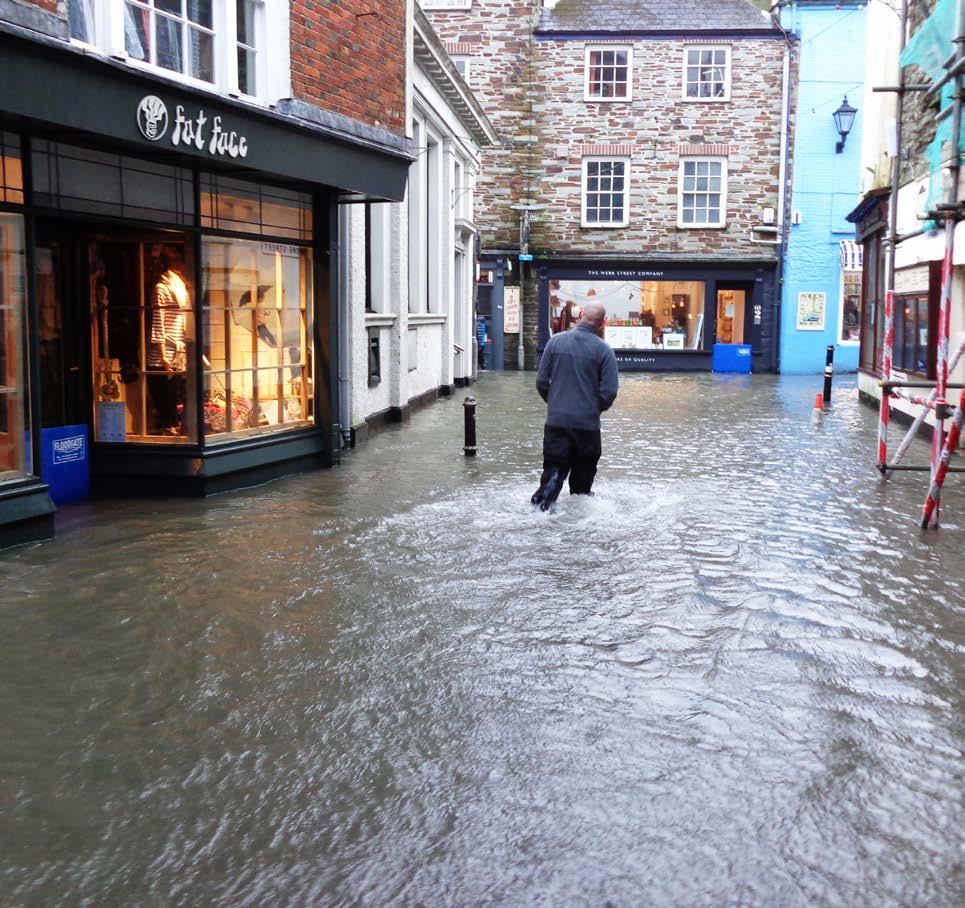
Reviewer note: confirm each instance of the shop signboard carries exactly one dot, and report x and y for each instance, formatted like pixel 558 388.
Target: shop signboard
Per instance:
pixel 811 307
pixel 205 133
pixel 289 141
pixel 511 319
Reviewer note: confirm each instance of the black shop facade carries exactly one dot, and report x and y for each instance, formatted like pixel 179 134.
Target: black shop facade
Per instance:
pixel 666 316
pixel 167 284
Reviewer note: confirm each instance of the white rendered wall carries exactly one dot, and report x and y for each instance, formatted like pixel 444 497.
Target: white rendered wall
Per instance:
pixel 437 363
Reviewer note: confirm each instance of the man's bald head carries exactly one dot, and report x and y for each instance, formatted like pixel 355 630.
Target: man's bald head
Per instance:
pixel 594 313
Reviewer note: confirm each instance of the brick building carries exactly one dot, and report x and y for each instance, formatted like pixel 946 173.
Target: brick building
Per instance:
pixel 171 180
pixel 643 164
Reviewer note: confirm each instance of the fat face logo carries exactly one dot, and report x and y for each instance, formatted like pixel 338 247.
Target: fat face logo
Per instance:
pixel 191 131
pixel 152 118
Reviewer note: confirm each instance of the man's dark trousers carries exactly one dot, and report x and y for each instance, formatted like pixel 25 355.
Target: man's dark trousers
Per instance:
pixel 568 452
pixel 578 379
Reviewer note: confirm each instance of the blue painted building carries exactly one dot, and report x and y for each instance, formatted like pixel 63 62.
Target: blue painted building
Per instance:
pixel 822 277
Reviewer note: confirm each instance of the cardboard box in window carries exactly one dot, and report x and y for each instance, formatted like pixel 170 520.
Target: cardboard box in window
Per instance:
pixel 111 421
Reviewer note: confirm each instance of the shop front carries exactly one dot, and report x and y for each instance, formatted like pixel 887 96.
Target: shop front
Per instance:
pixel 666 317
pixel 165 286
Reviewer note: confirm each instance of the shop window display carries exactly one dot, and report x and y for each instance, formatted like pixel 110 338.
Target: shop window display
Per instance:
pixel 850 307
pixel 142 324
pixel 257 334
pixel 15 447
pixel 911 347
pixel 641 315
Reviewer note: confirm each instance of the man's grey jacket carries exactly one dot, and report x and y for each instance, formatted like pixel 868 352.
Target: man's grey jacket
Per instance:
pixel 577 378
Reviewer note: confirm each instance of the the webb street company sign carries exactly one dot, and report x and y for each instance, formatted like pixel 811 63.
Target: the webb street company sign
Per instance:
pixel 201 132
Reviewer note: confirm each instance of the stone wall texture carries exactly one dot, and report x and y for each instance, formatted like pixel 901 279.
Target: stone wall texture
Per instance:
pixel 918 123
pixel 348 57
pixel 497 36
pixel 534 91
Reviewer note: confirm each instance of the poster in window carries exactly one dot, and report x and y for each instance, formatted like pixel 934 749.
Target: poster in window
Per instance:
pixel 511 310
pixel 811 308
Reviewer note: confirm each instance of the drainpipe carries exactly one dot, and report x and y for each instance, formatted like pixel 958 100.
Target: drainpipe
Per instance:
pixel 344 328
pixel 782 220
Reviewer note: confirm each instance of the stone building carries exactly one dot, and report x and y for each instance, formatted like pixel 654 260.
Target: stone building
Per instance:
pixel 171 181
pixel 643 164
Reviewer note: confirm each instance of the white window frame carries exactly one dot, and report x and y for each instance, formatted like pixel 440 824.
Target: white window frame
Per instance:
pixel 584 167
pixel 841 340
pixel 271 45
pixel 217 30
pixel 260 48
pixel 591 48
pixel 689 48
pixel 426 204
pixel 466 61
pixel 101 23
pixel 723 193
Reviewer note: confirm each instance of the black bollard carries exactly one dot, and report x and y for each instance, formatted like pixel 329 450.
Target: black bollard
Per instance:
pixel 469 411
pixel 828 373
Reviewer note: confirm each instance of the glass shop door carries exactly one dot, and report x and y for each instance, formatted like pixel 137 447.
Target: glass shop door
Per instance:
pixel 62 324
pixel 738 320
pixel 63 329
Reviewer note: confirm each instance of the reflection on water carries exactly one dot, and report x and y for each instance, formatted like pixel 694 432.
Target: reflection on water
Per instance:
pixel 730 678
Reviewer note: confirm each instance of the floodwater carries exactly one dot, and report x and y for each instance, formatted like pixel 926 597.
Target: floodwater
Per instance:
pixel 732 677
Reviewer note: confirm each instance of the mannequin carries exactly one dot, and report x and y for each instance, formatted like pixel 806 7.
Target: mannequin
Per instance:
pixel 167 360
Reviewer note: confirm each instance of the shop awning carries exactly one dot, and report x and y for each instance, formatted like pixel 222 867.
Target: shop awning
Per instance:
pixel 852 255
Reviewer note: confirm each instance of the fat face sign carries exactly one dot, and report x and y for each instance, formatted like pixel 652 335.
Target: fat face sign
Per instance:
pixel 194 130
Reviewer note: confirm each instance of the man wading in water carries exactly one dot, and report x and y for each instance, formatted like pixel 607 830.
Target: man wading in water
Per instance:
pixel 578 380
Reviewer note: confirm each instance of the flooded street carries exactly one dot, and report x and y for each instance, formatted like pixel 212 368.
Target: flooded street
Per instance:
pixel 730 678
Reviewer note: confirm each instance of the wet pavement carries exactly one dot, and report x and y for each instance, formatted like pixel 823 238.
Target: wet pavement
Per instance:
pixel 730 678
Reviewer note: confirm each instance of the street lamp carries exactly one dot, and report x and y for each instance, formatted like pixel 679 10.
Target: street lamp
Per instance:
pixel 844 120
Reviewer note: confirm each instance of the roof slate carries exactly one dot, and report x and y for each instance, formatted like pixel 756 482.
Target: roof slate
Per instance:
pixel 654 16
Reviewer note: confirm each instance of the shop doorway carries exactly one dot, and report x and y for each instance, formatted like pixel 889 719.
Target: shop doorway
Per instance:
pixel 61 280
pixel 735 316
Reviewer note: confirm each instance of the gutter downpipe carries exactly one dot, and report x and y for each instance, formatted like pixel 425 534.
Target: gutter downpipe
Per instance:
pixel 888 341
pixel 344 328
pixel 782 200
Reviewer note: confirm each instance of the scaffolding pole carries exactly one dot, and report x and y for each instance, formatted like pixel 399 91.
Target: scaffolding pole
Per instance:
pixel 942 448
pixel 949 214
pixel 951 446
pixel 920 418
pixel 887 352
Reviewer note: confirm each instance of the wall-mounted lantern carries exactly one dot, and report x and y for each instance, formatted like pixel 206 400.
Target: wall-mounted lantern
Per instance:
pixel 844 120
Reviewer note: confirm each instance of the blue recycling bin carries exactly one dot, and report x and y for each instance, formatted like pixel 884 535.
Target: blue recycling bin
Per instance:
pixel 731 358
pixel 65 463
